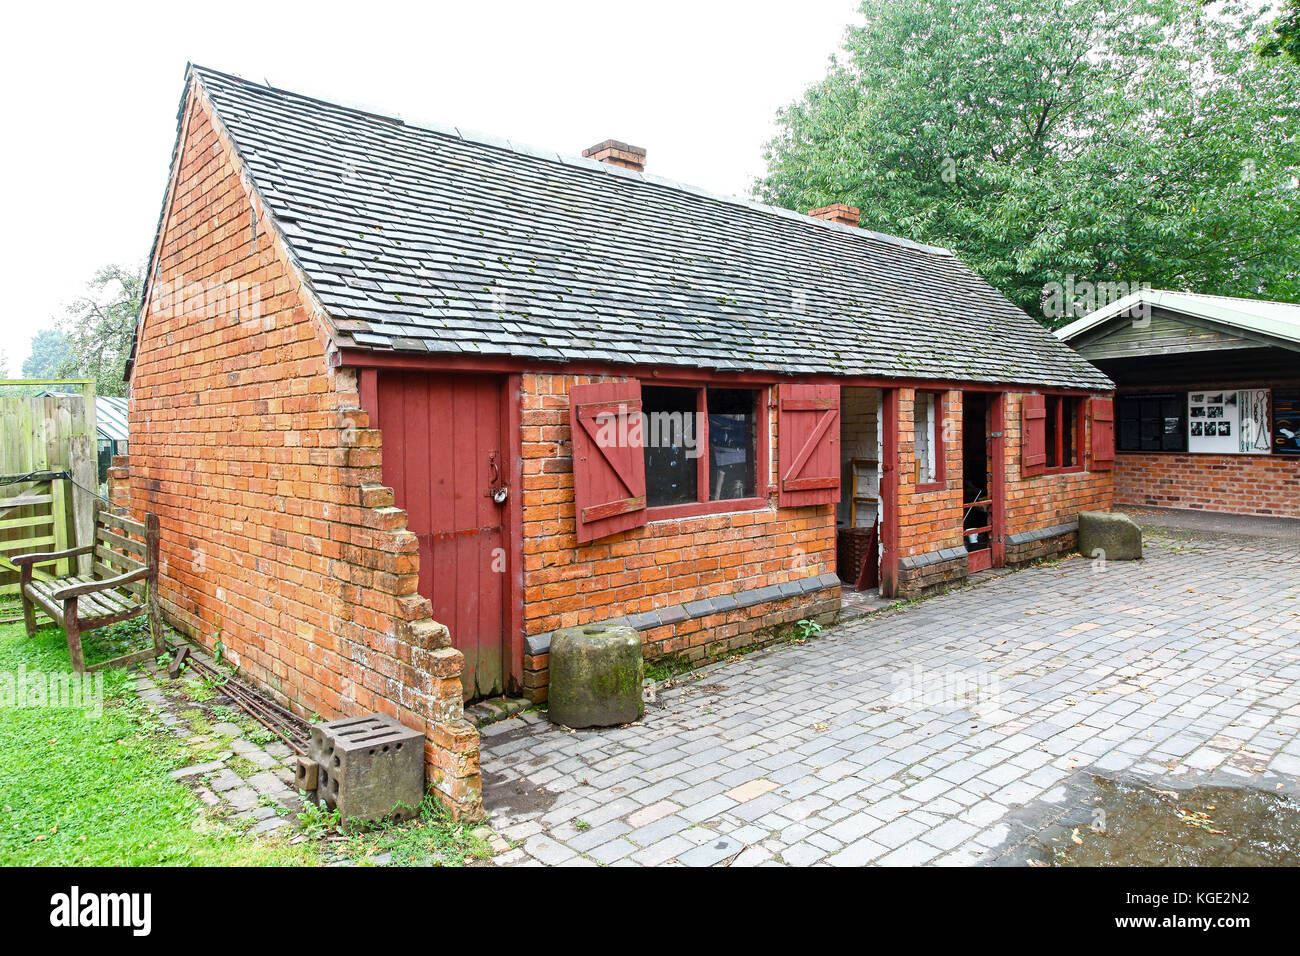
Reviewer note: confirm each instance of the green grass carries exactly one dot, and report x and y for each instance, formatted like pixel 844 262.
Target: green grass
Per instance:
pixel 431 839
pixel 90 791
pixel 85 790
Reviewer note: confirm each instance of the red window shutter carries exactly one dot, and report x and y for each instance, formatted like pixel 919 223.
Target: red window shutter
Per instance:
pixel 808 429
pixel 1103 434
pixel 608 458
pixel 1033 435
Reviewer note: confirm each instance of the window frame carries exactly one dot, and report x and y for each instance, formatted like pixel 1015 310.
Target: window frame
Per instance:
pixel 940 480
pixel 1055 449
pixel 1124 400
pixel 762 464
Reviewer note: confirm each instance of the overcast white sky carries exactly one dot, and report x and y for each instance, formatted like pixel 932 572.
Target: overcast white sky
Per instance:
pixel 91 93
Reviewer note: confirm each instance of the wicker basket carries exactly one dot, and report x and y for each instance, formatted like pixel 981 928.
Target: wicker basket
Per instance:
pixel 853 546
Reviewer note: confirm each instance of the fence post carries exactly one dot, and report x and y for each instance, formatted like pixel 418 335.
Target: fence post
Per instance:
pixel 83 465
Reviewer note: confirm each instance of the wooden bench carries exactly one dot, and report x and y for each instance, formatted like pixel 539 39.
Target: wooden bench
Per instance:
pixel 122 584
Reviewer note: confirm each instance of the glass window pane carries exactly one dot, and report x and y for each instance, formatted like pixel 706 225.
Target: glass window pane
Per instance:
pixel 671 449
pixel 733 443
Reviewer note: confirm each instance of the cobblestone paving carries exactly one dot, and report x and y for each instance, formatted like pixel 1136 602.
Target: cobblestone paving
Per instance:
pixel 240 771
pixel 921 735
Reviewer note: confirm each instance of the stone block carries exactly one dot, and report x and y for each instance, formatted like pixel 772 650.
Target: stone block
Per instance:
pixel 370 768
pixel 1112 536
pixel 595 676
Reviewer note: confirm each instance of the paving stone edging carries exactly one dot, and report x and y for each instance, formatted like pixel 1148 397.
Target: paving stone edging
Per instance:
pixel 245 781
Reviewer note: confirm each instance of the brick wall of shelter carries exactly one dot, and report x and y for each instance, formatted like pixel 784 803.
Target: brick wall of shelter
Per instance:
pixel 1235 484
pixel 666 562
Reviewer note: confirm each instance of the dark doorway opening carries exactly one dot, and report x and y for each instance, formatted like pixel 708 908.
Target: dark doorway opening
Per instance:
pixel 977 504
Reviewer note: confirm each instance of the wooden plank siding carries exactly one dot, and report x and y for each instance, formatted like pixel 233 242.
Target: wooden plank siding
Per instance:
pixel 1163 334
pixel 39 435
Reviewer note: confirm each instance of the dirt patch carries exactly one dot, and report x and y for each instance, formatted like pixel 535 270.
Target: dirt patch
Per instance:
pixel 514 796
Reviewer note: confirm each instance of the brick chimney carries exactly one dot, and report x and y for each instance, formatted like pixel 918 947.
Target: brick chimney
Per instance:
pixel 844 215
pixel 618 154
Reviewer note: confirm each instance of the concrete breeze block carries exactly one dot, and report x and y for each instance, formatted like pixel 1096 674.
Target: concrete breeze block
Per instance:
pixel 370 768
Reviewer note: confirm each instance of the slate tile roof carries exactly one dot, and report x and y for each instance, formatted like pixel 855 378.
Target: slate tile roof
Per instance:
pixel 434 240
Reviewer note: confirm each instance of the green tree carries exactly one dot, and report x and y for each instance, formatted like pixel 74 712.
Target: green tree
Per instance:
pixel 1283 39
pixel 1058 142
pixel 99 327
pixel 49 351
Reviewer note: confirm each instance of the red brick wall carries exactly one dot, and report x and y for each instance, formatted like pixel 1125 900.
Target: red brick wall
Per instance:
pixel 661 564
pixel 277 537
pixel 1045 501
pixel 1238 484
pixel 929 520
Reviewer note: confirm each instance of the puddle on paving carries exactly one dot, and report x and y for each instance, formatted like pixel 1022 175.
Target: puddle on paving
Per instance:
pixel 1137 824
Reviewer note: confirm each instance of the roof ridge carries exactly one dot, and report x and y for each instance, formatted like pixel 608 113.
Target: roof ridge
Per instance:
pixel 548 155
pixel 1230 298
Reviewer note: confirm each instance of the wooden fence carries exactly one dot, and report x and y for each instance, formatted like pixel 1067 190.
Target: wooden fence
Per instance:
pixel 47 474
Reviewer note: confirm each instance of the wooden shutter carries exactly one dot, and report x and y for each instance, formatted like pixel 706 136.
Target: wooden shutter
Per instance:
pixel 608 458
pixel 808 430
pixel 1033 435
pixel 1103 434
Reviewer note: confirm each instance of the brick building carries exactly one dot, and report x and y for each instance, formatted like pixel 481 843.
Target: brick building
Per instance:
pixel 1208 403
pixel 407 399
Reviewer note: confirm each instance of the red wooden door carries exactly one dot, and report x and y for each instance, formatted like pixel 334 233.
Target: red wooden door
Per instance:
pixel 443 453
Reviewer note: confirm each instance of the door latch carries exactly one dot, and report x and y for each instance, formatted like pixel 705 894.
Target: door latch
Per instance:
pixel 498 491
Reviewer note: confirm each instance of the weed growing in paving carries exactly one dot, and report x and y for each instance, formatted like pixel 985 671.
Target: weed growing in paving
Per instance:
pixel 316 821
pixel 431 839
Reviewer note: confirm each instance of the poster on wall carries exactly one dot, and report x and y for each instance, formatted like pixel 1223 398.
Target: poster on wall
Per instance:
pixel 1230 421
pixel 1212 422
pixel 1255 433
pixel 1286 421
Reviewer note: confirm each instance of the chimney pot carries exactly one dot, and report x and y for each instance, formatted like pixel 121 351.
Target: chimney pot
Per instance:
pixel 617 154
pixel 845 215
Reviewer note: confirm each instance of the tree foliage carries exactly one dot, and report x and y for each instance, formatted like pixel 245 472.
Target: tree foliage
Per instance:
pixel 49 352
pixel 99 327
pixel 1283 38
pixel 1060 141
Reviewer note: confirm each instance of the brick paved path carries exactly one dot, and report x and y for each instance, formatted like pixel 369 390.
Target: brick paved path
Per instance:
pixel 1181 666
